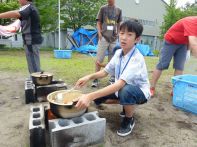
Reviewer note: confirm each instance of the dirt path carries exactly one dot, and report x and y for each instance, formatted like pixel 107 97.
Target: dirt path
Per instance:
pixel 158 123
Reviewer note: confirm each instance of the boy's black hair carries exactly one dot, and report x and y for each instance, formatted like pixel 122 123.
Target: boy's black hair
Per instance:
pixel 132 25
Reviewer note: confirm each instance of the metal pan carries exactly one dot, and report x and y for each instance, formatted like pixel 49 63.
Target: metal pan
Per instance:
pixel 61 109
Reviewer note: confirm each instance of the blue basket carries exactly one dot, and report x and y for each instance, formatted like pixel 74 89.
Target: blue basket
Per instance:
pixel 63 54
pixel 185 92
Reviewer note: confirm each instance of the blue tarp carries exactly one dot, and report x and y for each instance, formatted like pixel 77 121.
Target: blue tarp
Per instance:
pixel 144 49
pixel 87 40
pixel 85 49
pixel 85 37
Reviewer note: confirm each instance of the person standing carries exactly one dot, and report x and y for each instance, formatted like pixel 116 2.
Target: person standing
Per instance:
pixel 108 22
pixel 31 32
pixel 181 37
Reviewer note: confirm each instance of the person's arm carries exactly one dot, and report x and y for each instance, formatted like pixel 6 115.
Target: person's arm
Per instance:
pixel 193 45
pixel 85 100
pixel 99 28
pixel 82 81
pixel 10 14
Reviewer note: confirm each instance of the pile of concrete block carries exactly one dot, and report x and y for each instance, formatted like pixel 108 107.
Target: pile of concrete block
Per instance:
pixel 88 129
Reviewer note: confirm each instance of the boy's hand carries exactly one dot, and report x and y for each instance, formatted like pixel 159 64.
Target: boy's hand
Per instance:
pixel 83 102
pixel 81 82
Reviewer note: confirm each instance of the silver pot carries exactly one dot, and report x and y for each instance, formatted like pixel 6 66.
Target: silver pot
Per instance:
pixel 42 78
pixel 61 109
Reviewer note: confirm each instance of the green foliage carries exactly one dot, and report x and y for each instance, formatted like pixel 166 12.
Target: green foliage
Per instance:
pixel 190 10
pixel 156 52
pixel 77 13
pixel 174 14
pixel 48 14
pixel 7 6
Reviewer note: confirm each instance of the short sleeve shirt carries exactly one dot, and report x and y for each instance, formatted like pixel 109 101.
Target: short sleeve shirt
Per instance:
pixel 135 72
pixel 179 32
pixel 30 24
pixel 109 16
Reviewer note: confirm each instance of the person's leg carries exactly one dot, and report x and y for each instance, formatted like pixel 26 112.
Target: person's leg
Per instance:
pixel 102 47
pixel 110 55
pixel 101 50
pixel 155 77
pixel 109 99
pixel 166 54
pixel 33 57
pixel 129 96
pixel 179 59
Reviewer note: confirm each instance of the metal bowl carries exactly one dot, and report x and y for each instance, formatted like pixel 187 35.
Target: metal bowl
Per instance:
pixel 60 109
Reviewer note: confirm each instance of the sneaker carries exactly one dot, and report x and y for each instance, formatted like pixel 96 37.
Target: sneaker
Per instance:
pixel 95 83
pixel 126 127
pixel 112 80
pixel 122 114
pixel 152 91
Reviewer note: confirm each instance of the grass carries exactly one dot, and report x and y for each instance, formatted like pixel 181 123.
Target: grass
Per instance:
pixel 69 70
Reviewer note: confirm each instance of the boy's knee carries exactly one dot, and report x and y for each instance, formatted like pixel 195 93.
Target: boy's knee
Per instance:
pixel 123 93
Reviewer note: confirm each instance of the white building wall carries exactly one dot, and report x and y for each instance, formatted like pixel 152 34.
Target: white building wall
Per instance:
pixel 150 13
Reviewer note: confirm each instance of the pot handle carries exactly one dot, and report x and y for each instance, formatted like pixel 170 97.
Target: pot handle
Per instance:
pixel 44 76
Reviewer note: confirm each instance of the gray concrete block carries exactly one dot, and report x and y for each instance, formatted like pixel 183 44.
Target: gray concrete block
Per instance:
pixel 37 118
pixel 88 129
pixel 37 126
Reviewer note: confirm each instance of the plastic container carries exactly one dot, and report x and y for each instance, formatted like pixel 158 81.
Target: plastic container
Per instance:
pixel 185 92
pixel 63 54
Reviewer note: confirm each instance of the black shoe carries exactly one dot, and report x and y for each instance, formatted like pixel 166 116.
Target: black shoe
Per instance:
pixel 122 114
pixel 126 126
pixel 95 83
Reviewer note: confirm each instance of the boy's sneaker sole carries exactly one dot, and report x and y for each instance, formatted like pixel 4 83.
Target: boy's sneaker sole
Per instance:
pixel 125 134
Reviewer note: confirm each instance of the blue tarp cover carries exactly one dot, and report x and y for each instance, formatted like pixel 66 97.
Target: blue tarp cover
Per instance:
pixel 144 49
pixel 83 37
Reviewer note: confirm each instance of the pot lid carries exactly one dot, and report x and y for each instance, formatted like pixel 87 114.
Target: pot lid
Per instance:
pixel 38 74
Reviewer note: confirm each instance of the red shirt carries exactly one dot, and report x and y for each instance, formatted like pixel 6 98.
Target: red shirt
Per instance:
pixel 179 32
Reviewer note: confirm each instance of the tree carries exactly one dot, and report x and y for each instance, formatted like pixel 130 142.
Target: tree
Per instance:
pixel 7 6
pixel 77 13
pixel 173 14
pixel 190 10
pixel 48 14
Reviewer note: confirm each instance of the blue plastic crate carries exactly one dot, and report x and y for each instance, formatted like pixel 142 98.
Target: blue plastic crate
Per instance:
pixel 63 54
pixel 185 92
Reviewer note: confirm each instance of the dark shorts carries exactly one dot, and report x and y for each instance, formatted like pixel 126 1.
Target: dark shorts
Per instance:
pixel 128 95
pixel 178 51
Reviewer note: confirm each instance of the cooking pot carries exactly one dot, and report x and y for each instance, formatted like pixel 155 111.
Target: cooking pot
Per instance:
pixel 42 78
pixel 62 105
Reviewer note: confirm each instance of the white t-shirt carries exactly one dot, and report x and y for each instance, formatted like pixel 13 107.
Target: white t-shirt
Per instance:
pixel 134 73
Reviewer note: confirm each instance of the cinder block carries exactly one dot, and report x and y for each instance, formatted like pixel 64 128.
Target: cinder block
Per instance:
pixel 37 118
pixel 37 126
pixel 88 129
pixel 29 91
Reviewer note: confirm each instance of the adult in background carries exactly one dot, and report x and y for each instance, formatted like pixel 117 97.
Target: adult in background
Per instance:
pixel 31 32
pixel 108 22
pixel 181 37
